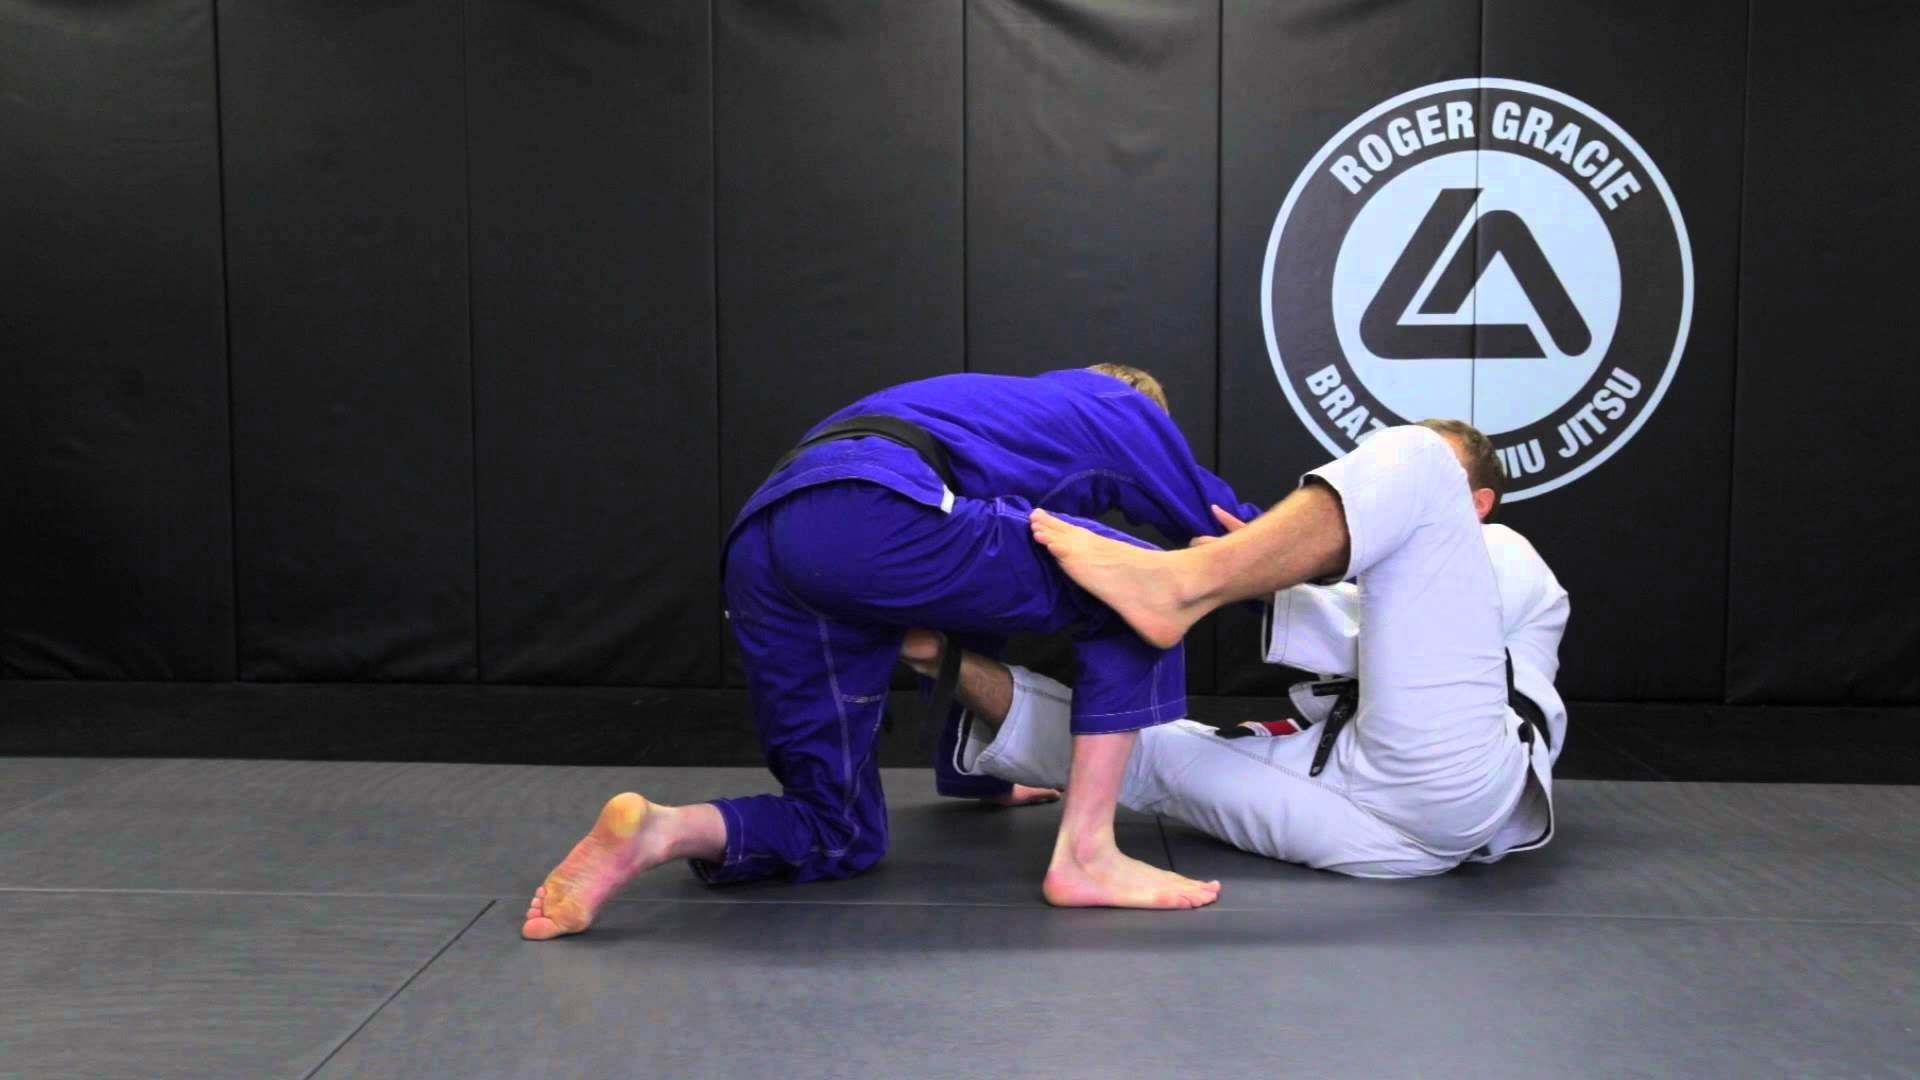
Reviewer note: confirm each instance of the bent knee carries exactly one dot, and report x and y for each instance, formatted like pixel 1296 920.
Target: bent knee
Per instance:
pixel 845 843
pixel 838 864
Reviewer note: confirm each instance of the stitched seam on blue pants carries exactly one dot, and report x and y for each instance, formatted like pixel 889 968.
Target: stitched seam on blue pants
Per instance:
pixel 1151 712
pixel 736 833
pixel 1151 708
pixel 1082 475
pixel 732 856
pixel 852 788
pixel 846 746
pixel 1152 721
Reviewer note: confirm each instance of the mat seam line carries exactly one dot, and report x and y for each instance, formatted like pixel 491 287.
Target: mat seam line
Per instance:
pixel 36 801
pixel 401 989
pixel 1217 665
pixel 966 199
pixel 473 365
pixel 1733 368
pixel 226 330
pixel 721 632
pixel 491 901
pixel 155 765
pixel 1659 775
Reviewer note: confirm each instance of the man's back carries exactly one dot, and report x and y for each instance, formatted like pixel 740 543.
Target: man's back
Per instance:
pixel 1024 437
pixel 1077 442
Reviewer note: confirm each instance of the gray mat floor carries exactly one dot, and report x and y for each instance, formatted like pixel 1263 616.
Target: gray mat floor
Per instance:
pixel 296 919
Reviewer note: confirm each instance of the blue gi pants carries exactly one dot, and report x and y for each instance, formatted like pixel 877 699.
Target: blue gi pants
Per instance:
pixel 821 587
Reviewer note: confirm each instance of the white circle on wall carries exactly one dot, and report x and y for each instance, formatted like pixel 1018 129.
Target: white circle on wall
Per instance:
pixel 1488 250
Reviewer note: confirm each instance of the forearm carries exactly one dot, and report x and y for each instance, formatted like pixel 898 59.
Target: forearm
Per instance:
pixel 1302 539
pixel 985 688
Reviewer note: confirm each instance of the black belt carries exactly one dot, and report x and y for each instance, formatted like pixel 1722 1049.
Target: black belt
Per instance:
pixel 873 425
pixel 920 441
pixel 1529 710
pixel 1349 702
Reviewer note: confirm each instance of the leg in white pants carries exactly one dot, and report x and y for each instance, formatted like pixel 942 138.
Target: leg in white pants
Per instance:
pixel 1252 793
pixel 1433 751
pixel 1429 768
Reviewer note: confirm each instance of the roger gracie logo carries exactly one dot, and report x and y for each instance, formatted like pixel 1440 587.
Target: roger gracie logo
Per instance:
pixel 1487 250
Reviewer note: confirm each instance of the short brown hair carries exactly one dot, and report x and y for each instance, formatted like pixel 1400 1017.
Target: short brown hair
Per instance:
pixel 1137 379
pixel 1483 465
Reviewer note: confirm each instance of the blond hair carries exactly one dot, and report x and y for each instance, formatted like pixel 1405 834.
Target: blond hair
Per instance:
pixel 1483 465
pixel 1137 379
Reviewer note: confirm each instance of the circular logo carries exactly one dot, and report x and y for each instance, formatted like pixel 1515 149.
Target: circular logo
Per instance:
pixel 1484 250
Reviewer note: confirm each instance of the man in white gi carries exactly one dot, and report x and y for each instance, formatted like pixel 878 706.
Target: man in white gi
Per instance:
pixel 1439 757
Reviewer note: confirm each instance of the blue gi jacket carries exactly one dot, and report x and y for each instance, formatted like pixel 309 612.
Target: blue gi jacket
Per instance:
pixel 1072 442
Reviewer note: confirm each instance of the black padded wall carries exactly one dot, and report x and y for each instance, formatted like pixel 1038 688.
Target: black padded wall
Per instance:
pixel 439 340
pixel 837 141
pixel 1292 76
pixel 593 359
pixel 1091 174
pixel 1091 163
pixel 1646 530
pixel 114 516
pixel 1826 470
pixel 1655 454
pixel 347 260
pixel 837 153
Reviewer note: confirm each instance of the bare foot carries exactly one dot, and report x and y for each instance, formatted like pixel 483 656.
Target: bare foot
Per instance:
pixel 1144 587
pixel 631 835
pixel 1108 878
pixel 1022 795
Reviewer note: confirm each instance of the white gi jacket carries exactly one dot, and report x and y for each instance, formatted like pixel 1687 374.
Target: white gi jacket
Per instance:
pixel 1316 628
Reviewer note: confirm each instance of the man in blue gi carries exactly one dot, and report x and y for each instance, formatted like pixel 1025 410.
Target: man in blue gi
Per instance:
pixel 855 538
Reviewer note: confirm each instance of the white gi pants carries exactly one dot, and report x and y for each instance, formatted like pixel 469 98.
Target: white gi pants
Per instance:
pixel 1430 767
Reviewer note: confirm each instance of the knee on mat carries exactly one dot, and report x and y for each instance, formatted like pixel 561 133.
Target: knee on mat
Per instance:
pixel 835 864
pixel 844 845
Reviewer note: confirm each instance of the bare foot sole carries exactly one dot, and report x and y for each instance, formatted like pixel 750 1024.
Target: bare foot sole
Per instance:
pixel 604 860
pixel 1022 795
pixel 1141 585
pixel 1116 880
